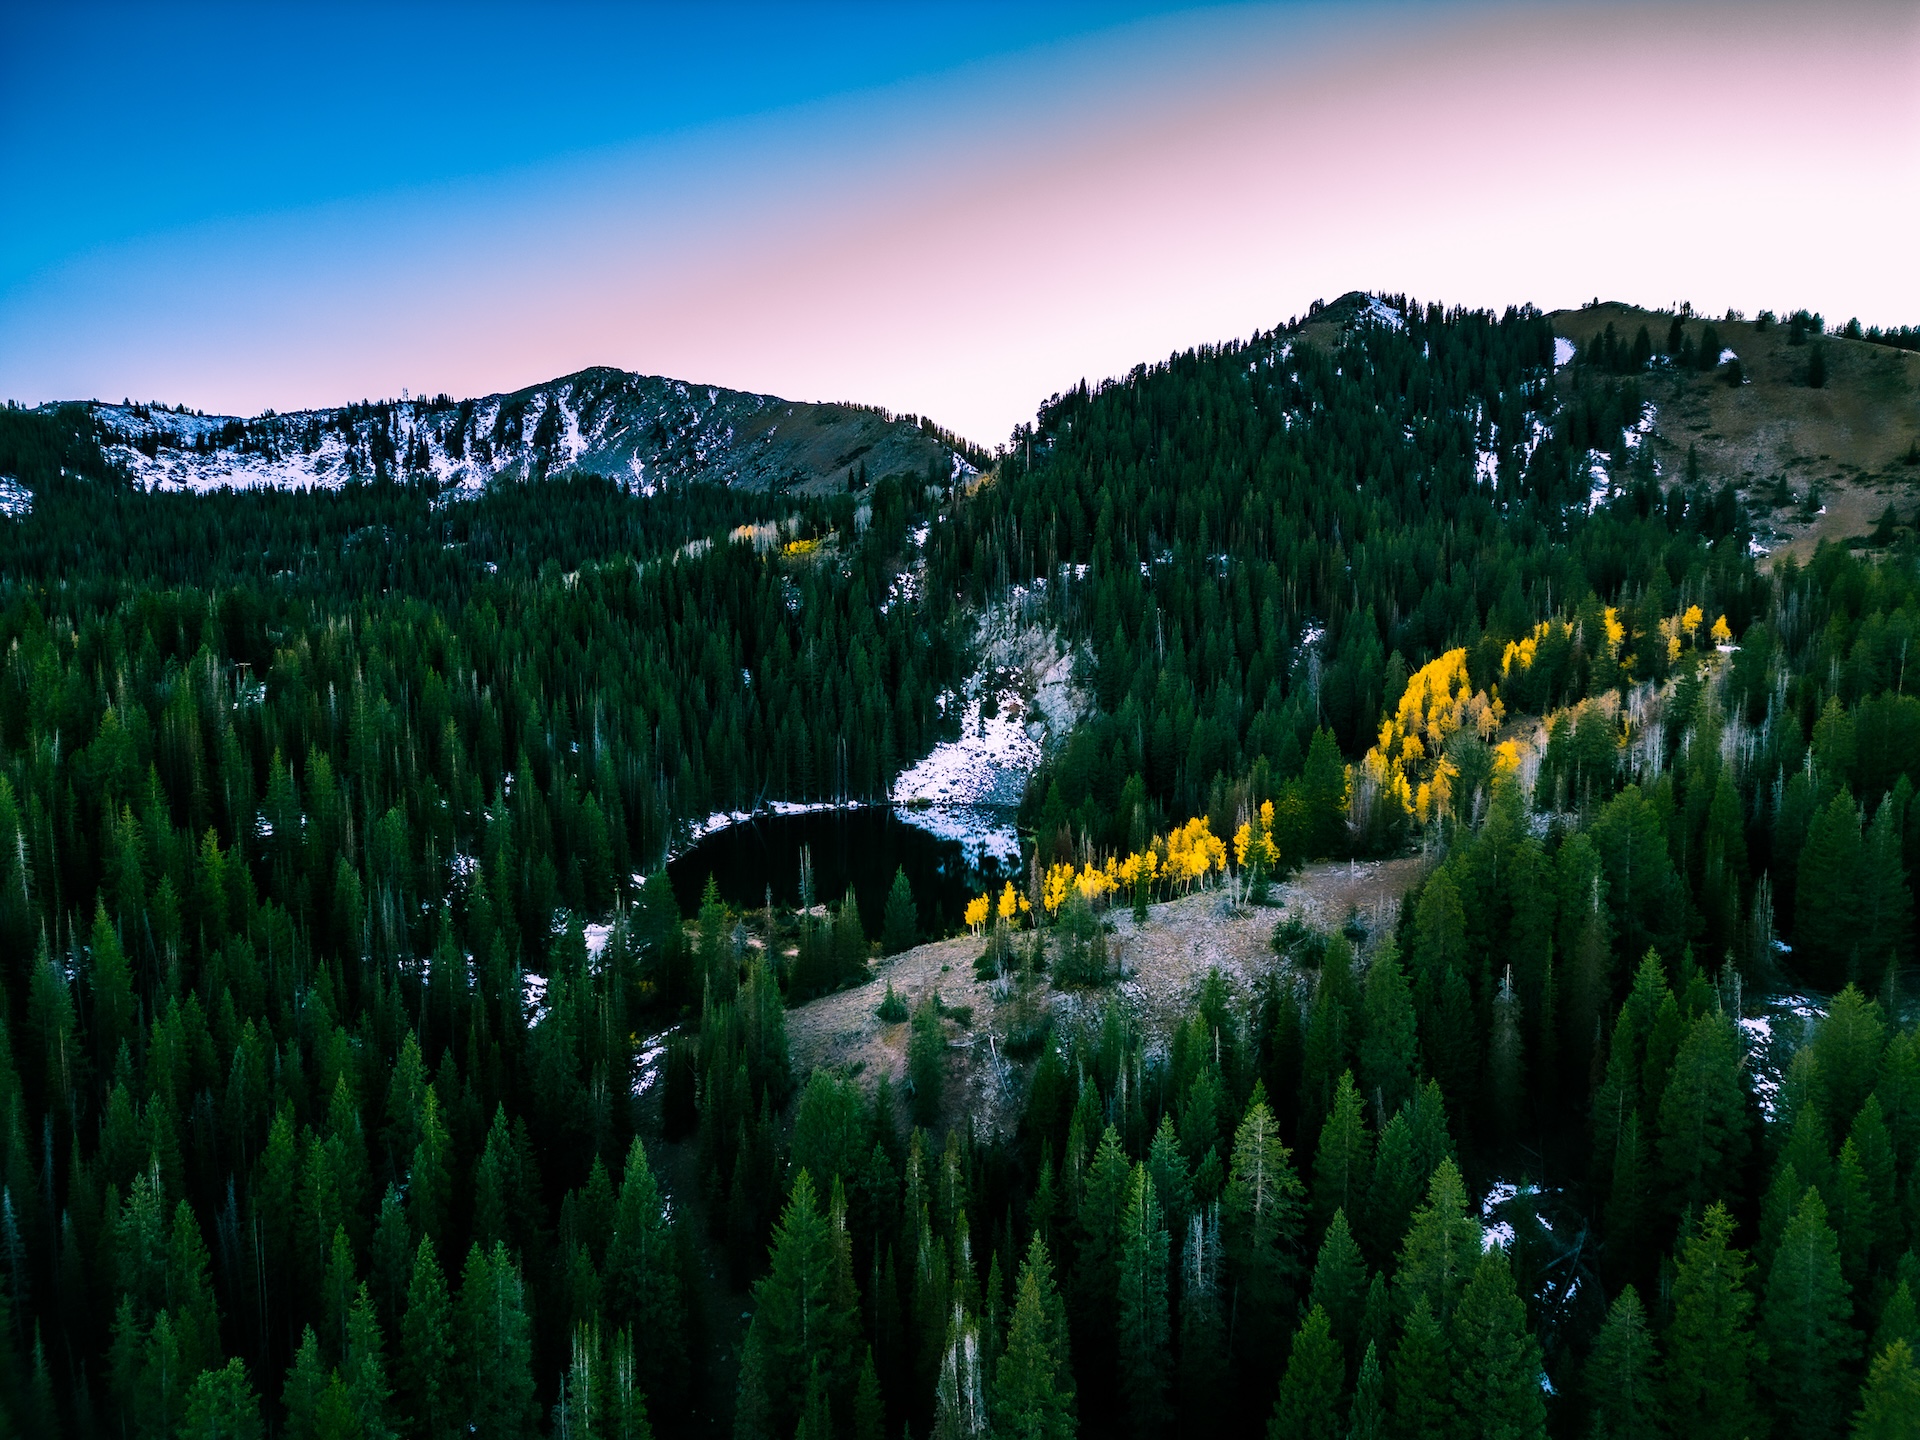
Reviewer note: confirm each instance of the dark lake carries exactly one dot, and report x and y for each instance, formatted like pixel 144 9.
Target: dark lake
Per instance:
pixel 858 847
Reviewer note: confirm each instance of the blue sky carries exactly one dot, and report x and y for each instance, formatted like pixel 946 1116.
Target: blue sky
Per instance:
pixel 122 121
pixel 949 209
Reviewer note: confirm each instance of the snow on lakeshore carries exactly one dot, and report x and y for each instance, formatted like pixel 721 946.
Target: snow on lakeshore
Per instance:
pixel 966 789
pixel 983 832
pixel 987 765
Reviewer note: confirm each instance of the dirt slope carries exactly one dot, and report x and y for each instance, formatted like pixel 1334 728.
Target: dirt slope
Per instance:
pixel 1775 434
pixel 1165 961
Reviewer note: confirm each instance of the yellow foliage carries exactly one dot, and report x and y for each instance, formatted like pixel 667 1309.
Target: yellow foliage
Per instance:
pixel 1407 764
pixel 1722 632
pixel 976 915
pixel 1009 902
pixel 1616 632
pixel 1522 653
pixel 1690 622
pixel 1053 888
pixel 797 548
pixel 1193 852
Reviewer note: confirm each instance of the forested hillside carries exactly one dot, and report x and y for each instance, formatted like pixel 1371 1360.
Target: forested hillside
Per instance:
pixel 321 1114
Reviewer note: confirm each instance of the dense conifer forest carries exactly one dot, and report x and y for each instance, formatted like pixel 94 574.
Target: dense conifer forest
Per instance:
pixel 318 1112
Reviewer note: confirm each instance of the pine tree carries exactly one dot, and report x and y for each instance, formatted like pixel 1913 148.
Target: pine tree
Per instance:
pixel 364 1369
pixel 1506 1064
pixel 1340 1281
pixel 306 1384
pixel 1100 1219
pixel 869 1412
pixel 1708 1377
pixel 430 1392
pixel 1308 1406
pixel 1496 1376
pixel 927 1061
pixel 1442 1248
pixel 806 1315
pixel 1899 1319
pixel 1389 1044
pixel 1394 1191
pixel 1827 894
pixel 959 1409
pixel 642 1284
pixel 430 1184
pixel 1203 1330
pixel 494 1346
pixel 221 1406
pixel 1143 1314
pixel 1805 1323
pixel 1422 1388
pixel 1033 1386
pixel 1890 1400
pixel 1260 1223
pixel 1703 1111
pixel 1343 1163
pixel 1620 1374
pixel 1367 1419
pixel 900 924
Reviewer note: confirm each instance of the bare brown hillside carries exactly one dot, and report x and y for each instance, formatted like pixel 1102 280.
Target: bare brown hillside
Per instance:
pixel 1165 960
pixel 1774 435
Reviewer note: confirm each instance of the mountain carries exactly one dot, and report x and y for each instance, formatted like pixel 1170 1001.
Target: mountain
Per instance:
pixel 1811 461
pixel 644 431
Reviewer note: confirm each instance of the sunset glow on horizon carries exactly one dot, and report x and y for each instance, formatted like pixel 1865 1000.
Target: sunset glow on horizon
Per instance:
pixel 963 241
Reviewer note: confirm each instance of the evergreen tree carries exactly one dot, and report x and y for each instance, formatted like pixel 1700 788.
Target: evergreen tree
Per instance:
pixel 900 924
pixel 1343 1162
pixel 494 1346
pixel 364 1369
pixel 1308 1406
pixel 1367 1419
pixel 806 1317
pixel 1260 1224
pixel 1144 1332
pixel 1033 1386
pixel 1496 1377
pixel 1388 1046
pixel 1703 1111
pixel 1340 1281
pixel 643 1286
pixel 1422 1385
pixel 1827 897
pixel 1709 1371
pixel 1442 1249
pixel 927 1060
pixel 430 1391
pixel 1620 1374
pixel 1203 1330
pixel 221 1406
pixel 1804 1323
pixel 1394 1191
pixel 1890 1401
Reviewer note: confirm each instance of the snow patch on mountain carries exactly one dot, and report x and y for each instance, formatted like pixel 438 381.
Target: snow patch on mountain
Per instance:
pixel 643 432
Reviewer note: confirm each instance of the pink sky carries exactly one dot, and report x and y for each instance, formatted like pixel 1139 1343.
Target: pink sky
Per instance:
pixel 963 247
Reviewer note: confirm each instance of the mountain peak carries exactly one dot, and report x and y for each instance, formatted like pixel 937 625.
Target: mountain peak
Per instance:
pixel 645 431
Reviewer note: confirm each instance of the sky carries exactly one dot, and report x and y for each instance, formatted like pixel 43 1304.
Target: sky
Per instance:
pixel 952 210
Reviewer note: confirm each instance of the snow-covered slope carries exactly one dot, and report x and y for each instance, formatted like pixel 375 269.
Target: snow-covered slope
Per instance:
pixel 642 430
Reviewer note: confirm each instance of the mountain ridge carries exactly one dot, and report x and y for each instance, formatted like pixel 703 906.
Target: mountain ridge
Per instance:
pixel 646 432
